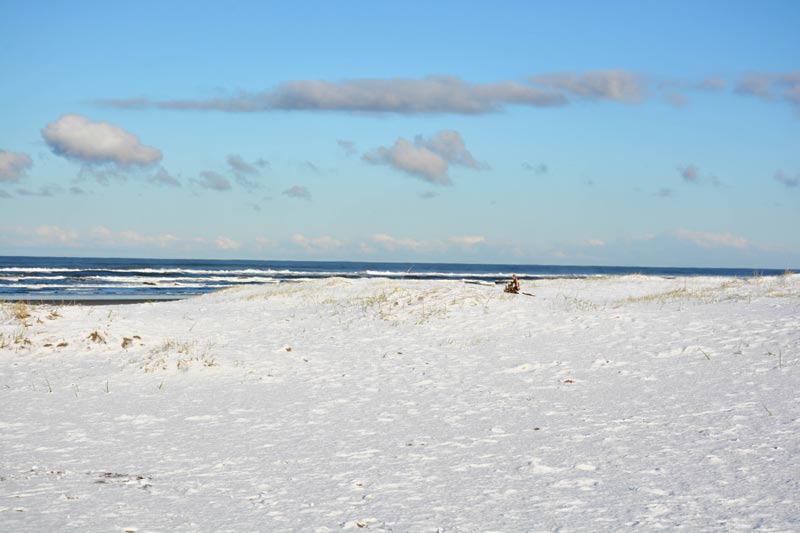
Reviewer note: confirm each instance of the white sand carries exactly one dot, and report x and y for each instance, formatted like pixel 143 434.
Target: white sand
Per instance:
pixel 599 405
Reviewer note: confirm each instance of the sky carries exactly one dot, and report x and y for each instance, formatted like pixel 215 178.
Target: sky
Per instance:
pixel 634 133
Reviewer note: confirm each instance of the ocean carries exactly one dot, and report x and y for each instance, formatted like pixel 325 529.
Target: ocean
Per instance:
pixel 80 278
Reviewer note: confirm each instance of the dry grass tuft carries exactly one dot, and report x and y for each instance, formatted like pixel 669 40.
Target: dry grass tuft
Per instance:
pixel 17 340
pixel 178 354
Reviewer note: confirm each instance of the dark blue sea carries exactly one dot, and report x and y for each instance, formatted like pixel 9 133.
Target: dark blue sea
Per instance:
pixel 72 278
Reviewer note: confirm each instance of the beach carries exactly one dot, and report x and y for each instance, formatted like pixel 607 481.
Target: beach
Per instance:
pixel 597 404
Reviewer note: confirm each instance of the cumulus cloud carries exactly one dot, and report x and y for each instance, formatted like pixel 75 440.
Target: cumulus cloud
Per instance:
pixel 48 235
pixel 137 239
pixel 450 145
pixel 426 158
pixel 240 166
pixel 712 240
pixel 612 85
pixel 298 191
pixel 690 173
pixel 430 95
pixel 787 180
pixel 391 243
pixel 539 169
pixel 162 177
pixel 244 171
pixel 79 138
pixel 213 181
pixel 415 160
pixel 13 166
pixel 467 240
pixel 225 243
pixel 51 235
pixel 106 237
pixel 55 234
pixel 349 147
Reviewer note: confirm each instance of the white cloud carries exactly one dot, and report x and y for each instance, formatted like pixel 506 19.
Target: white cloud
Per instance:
pixel 298 191
pixel 415 160
pixel 434 94
pixel 13 166
pixel 450 94
pixel 468 240
pixel 76 137
pixel 99 236
pixel 712 240
pixel 613 85
pixel 391 243
pixel 225 243
pixel 426 158
pixel 43 235
pixel 673 90
pixel 136 239
pixel 213 181
pixel 55 235
pixel 241 166
pixel 106 237
pixel 162 177
pixel 244 171
pixel 596 242
pixel 780 87
pixel 690 173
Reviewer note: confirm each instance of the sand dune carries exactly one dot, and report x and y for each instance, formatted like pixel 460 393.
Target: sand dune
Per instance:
pixel 599 404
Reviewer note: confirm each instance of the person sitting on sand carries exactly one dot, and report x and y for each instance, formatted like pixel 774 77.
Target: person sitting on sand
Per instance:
pixel 513 285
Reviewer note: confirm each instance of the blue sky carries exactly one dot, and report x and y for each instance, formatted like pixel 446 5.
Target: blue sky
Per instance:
pixel 615 133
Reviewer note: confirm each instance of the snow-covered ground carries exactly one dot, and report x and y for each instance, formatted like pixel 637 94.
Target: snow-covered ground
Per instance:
pixel 598 405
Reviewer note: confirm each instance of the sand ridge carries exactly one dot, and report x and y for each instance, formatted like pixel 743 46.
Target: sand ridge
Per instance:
pixel 386 405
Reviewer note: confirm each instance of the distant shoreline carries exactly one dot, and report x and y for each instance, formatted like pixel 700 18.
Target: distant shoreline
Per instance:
pixel 55 279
